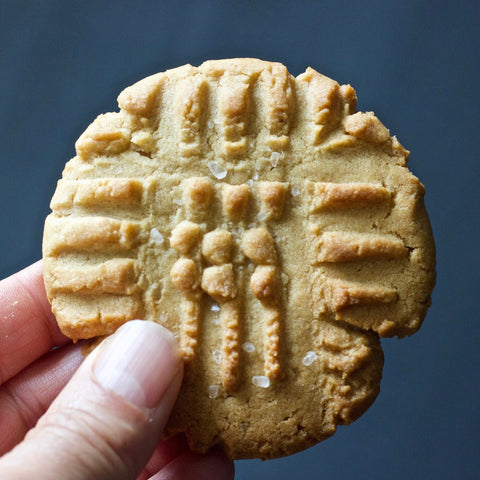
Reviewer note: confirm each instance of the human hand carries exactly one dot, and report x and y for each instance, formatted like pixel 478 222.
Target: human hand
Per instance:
pixel 107 421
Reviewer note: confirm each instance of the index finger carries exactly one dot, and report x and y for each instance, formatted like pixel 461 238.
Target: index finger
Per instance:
pixel 27 326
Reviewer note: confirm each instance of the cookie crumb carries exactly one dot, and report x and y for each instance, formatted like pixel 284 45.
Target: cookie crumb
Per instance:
pixel 185 236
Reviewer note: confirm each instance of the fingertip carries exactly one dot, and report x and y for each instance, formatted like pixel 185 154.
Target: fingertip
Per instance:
pixel 121 397
pixel 139 362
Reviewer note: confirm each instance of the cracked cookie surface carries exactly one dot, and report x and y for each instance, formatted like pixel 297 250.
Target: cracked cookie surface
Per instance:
pixel 272 228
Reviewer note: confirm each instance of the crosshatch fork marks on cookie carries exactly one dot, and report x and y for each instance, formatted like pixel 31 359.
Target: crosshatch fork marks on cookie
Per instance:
pixel 272 228
pixel 249 110
pixel 219 276
pixel 225 112
pixel 205 263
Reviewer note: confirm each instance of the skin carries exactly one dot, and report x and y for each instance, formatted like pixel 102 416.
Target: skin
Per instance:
pixel 60 418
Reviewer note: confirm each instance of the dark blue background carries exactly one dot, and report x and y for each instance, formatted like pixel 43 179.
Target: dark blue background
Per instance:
pixel 415 63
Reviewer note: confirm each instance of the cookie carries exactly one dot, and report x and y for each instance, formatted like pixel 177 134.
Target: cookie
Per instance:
pixel 272 228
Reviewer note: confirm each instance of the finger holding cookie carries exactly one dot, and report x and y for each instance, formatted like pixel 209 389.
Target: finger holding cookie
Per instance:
pixel 108 420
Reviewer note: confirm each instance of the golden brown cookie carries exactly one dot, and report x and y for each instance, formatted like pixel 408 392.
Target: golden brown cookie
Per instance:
pixel 275 230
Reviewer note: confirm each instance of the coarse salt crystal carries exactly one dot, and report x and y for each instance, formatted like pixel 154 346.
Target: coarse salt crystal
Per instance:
pixel 213 391
pixel 217 170
pixel 210 124
pixel 274 159
pixel 309 358
pixel 295 190
pixel 239 231
pixel 156 236
pixel 255 176
pixel 261 216
pixel 217 356
pixel 261 381
pixel 248 347
pixel 215 308
pixel 178 201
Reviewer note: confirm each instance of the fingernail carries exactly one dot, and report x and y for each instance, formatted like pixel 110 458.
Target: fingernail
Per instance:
pixel 138 363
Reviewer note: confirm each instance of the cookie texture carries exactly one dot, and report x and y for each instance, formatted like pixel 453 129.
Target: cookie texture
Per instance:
pixel 272 228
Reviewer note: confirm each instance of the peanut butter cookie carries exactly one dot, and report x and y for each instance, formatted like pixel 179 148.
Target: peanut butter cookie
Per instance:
pixel 272 228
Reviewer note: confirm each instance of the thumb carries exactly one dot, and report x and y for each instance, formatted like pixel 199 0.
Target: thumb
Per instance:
pixel 109 418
